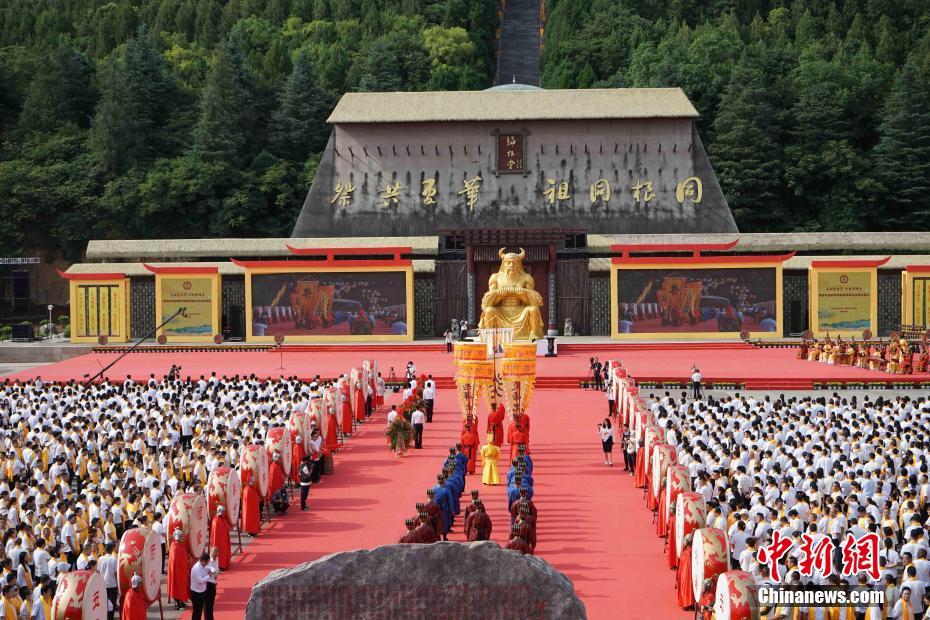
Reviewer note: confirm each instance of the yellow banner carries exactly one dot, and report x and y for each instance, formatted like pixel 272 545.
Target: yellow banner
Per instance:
pixel 195 295
pixel 844 301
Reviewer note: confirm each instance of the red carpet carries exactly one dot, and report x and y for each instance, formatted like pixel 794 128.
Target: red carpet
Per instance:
pixel 591 523
pixel 732 362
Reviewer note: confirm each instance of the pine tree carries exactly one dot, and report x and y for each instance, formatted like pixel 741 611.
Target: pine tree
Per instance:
pixel 62 93
pixel 902 155
pixel 745 153
pixel 225 109
pixel 299 124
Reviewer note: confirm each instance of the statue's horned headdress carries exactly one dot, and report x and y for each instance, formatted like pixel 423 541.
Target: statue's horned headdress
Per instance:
pixel 519 256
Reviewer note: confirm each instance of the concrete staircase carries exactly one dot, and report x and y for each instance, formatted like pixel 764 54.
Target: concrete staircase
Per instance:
pixel 519 42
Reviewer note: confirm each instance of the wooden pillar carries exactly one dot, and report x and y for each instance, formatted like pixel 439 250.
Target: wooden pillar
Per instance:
pixel 553 326
pixel 470 285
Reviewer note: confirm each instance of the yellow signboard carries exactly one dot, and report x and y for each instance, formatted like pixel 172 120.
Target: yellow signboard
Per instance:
pixel 197 296
pixel 98 308
pixel 844 301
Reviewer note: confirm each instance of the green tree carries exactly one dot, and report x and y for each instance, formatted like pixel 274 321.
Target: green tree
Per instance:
pixel 299 126
pixel 63 93
pixel 902 155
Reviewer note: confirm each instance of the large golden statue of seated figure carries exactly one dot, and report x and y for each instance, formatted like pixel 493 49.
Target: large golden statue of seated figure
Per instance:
pixel 511 300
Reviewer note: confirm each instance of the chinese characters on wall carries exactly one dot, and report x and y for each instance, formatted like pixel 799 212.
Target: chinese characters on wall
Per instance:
pixel 555 191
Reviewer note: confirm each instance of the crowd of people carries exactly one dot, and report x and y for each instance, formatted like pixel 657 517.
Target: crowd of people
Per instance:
pixel 782 472
pixel 81 464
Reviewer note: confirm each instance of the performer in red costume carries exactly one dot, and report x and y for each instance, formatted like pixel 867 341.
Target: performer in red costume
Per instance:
pixel 331 442
pixel 276 475
pixel 661 522
pixel 683 578
pixel 219 537
pixel 496 425
pixel 516 435
pixel 346 408
pixel 251 507
pixel 672 542
pixel 297 455
pixel 470 442
pixel 179 570
pixel 134 605
pixel 359 403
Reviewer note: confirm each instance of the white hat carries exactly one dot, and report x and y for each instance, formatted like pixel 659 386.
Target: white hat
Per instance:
pixel 178 534
pixel 136 580
pixel 220 509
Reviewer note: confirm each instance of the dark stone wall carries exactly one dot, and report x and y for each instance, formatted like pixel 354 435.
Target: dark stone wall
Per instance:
pixel 424 306
pixel 599 308
pixel 889 301
pixel 141 306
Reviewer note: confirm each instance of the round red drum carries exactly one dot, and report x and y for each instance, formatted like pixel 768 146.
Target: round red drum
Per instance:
pixel 299 421
pixel 254 461
pixel 188 513
pixel 710 555
pixel 663 456
pixel 81 595
pixel 314 416
pixel 653 435
pixel 690 515
pixel 737 596
pixel 278 440
pixel 224 489
pixel 677 481
pixel 140 554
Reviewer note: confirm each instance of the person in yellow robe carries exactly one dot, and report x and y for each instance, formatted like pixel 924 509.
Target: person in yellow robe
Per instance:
pixel 489 455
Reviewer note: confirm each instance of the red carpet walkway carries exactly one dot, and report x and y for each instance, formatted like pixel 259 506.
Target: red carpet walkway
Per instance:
pixel 592 524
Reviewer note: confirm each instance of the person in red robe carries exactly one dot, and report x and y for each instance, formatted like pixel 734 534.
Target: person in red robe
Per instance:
pixel 470 508
pixel 359 403
pixel 297 455
pixel 331 442
pixel 134 605
pixel 219 537
pixel 425 532
pixel 672 542
pixel 496 425
pixel 276 475
pixel 346 409
pixel 526 529
pixel 517 543
pixel 251 508
pixel 525 423
pixel 639 470
pixel 179 571
pixel 661 522
pixel 408 536
pixel 683 578
pixel 470 444
pixel 478 525
pixel 515 436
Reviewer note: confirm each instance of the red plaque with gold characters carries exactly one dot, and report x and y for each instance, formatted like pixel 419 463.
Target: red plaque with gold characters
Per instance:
pixel 510 153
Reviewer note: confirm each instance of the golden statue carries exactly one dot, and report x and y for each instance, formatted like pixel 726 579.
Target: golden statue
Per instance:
pixel 511 300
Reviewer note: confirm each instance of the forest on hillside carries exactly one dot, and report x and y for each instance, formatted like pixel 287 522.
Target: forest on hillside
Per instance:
pixel 199 118
pixel 815 114
pixel 190 118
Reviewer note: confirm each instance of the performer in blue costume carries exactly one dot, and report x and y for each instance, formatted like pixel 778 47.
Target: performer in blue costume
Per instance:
pixel 455 483
pixel 522 455
pixel 442 497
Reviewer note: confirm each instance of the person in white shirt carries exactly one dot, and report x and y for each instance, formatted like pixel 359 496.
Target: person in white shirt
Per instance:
pixel 107 566
pixel 416 419
pixel 392 415
pixel 429 396
pixel 202 595
pixel 696 383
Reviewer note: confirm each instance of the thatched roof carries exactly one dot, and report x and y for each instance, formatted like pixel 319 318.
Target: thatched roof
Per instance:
pixel 513 105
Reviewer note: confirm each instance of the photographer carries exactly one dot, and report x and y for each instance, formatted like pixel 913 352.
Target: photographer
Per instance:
pixel 596 371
